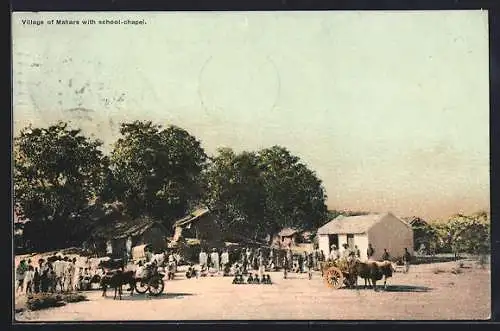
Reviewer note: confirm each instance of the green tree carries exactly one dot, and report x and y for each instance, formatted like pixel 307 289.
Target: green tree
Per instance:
pixel 57 171
pixel 256 194
pixel 156 170
pixel 294 194
pixel 470 233
pixel 234 191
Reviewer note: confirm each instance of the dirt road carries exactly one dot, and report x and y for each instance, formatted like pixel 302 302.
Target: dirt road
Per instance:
pixel 421 294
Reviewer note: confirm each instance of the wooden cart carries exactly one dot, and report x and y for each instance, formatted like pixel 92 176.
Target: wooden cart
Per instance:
pixel 336 274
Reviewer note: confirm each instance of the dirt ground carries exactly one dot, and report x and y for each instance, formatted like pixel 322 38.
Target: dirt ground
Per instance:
pixel 427 292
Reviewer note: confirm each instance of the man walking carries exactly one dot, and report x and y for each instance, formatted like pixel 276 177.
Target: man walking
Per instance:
pixel 406 260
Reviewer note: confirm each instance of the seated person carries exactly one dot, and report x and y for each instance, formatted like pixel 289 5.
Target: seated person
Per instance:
pixel 235 280
pixel 190 272
pixel 250 279
pixel 256 279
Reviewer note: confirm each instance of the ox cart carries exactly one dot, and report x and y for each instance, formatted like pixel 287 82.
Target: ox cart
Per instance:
pixel 336 274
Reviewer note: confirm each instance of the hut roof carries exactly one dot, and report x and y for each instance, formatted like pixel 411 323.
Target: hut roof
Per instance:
pixel 287 232
pixel 124 227
pixel 350 224
pixel 192 217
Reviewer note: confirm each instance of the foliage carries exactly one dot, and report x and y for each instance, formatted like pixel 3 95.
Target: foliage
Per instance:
pixel 294 195
pixel 235 192
pixel 470 234
pixel 156 170
pixel 44 300
pixel 57 171
pixel 256 194
pixel 462 234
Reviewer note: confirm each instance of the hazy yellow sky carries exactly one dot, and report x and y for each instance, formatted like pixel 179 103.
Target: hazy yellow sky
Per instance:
pixel 391 109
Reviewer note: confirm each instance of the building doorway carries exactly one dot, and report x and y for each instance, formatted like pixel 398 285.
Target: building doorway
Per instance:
pixel 350 241
pixel 333 239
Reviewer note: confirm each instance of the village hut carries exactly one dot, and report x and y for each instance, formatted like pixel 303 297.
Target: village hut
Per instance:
pixel 114 235
pixel 381 230
pixel 199 224
pixel 288 237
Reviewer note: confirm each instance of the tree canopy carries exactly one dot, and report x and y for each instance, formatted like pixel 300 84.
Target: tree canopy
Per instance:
pixel 57 171
pixel 258 193
pixel 156 170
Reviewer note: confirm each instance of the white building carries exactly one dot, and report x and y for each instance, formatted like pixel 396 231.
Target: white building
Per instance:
pixel 381 230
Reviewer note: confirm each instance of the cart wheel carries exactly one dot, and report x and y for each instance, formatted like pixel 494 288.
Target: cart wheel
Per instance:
pixel 141 287
pixel 334 278
pixel 156 286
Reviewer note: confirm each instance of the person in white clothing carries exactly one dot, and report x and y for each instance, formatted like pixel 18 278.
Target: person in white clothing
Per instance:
pixel 214 258
pixel 59 270
pixel 224 260
pixel 203 259
pixel 28 279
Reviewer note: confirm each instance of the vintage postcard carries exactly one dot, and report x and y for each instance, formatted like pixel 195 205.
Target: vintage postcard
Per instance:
pixel 316 165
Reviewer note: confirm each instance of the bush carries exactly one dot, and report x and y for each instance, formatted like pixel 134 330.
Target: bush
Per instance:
pixel 48 300
pixel 74 297
pixel 43 301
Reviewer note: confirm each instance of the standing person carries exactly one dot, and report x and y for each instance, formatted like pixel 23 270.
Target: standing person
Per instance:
pixel 224 260
pixel 386 256
pixel 310 264
pixel 347 252
pixel 36 281
pixel 289 258
pixel 262 267
pixel 315 256
pixel 370 251
pixel 203 259
pixel 357 252
pixel 300 261
pixel 406 260
pixel 20 274
pixel 334 254
pixel 285 265
pixel 214 259
pixel 244 260
pixel 72 274
pixel 28 280
pixel 109 248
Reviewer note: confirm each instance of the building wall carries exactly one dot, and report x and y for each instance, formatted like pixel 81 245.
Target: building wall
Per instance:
pixel 390 233
pixel 154 236
pixel 361 240
pixel 342 241
pixel 324 244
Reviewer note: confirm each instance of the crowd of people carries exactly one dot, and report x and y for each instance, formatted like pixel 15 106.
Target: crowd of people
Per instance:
pixel 54 274
pixel 63 274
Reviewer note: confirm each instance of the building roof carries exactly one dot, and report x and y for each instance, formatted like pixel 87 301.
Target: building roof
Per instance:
pixel 125 227
pixel 192 217
pixel 287 232
pixel 351 224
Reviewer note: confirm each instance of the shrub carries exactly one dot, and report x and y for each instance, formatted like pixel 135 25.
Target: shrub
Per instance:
pixel 43 301
pixel 74 297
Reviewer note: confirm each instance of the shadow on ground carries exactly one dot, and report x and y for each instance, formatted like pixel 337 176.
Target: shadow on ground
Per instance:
pixel 407 288
pixel 393 288
pixel 144 297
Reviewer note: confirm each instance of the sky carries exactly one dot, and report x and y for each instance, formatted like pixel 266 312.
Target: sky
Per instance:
pixel 390 109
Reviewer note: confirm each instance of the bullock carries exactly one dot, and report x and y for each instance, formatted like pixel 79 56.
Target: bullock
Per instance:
pixel 116 279
pixel 112 264
pixel 373 271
